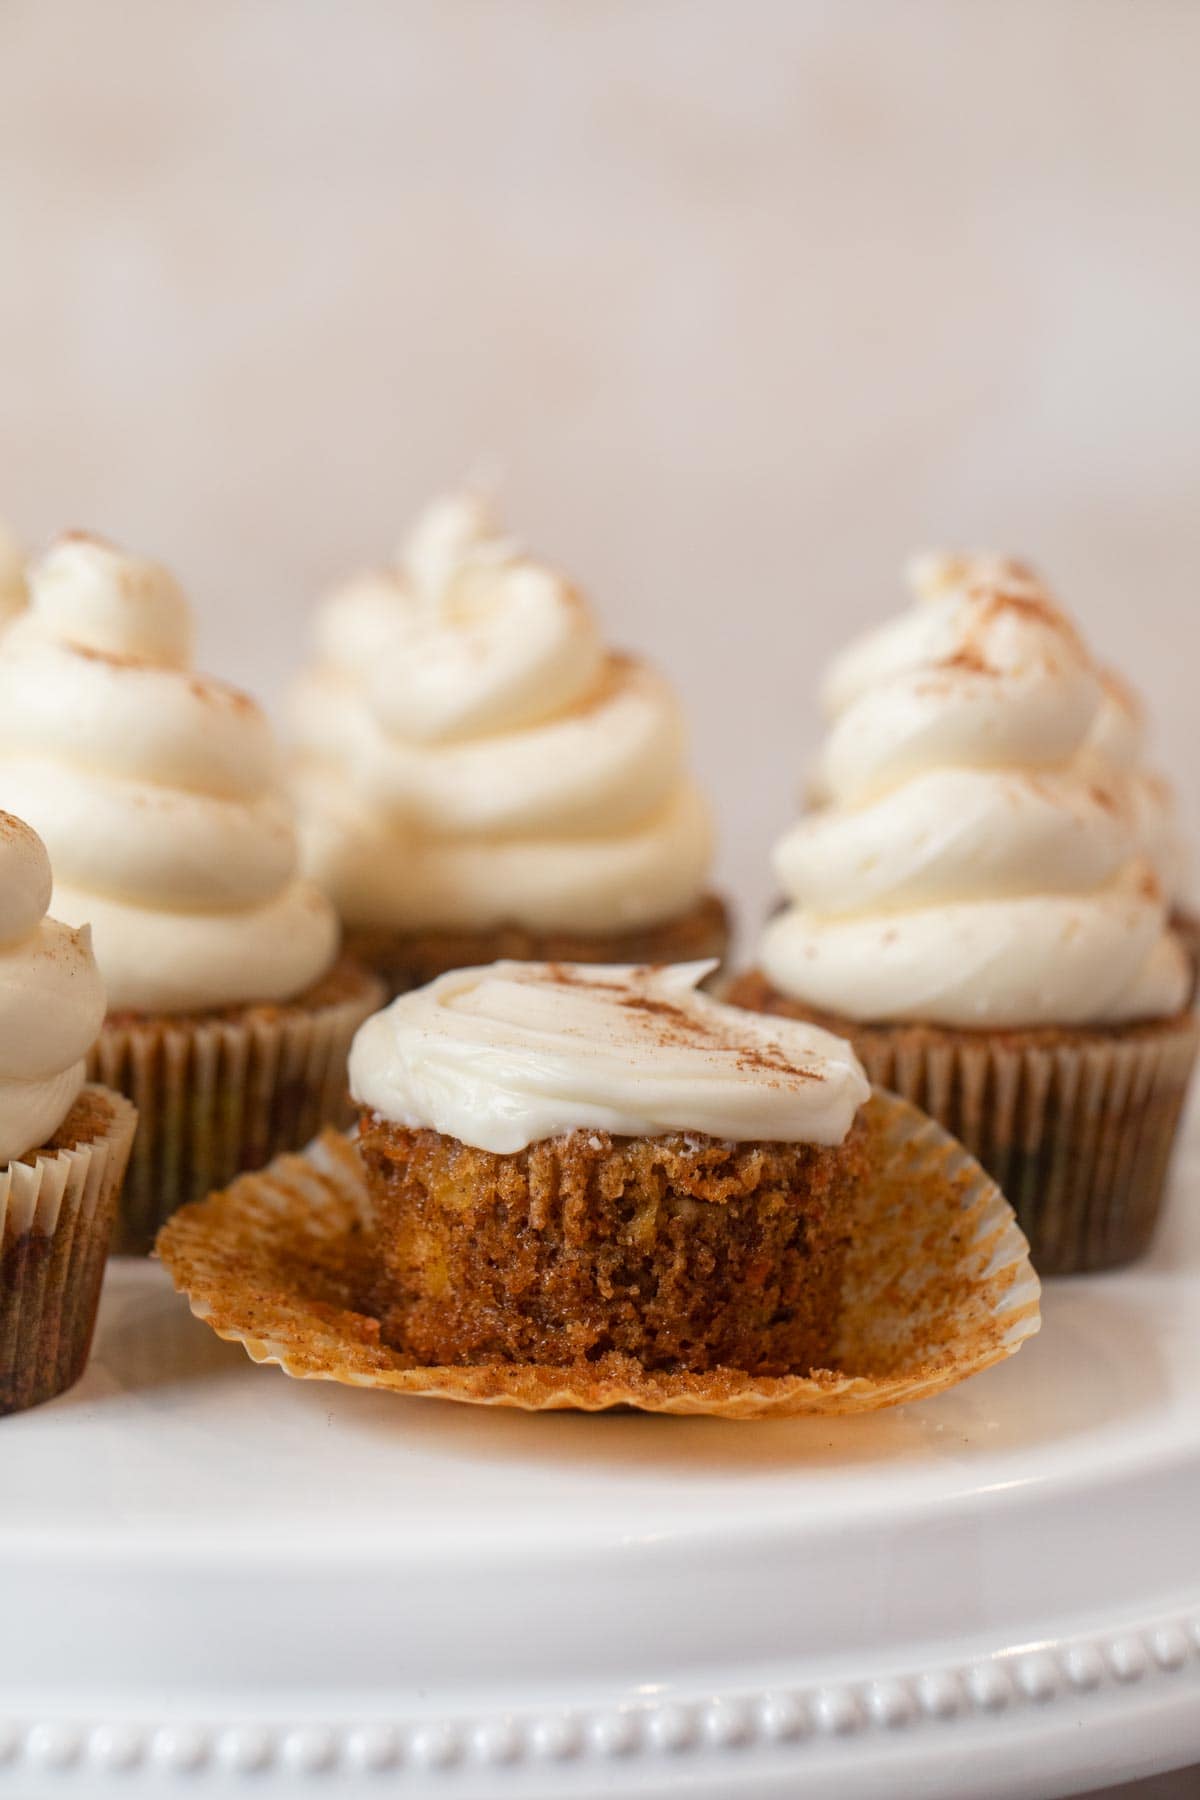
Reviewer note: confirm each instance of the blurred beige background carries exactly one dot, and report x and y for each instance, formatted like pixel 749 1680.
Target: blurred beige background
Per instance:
pixel 742 299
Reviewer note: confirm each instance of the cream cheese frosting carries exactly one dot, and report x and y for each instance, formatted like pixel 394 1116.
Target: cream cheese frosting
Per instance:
pixel 1115 747
pixel 975 857
pixel 472 755
pixel 51 998
pixel 158 792
pixel 504 1056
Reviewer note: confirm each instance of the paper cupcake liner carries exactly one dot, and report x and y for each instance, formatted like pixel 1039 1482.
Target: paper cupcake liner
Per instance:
pixel 1078 1135
pixel 56 1218
pixel 938 1286
pixel 216 1095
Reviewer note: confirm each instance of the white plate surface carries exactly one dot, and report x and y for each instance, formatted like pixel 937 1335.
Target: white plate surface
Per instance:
pixel 216 1580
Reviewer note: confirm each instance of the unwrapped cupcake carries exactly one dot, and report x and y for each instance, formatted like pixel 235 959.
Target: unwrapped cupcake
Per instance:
pixel 481 777
pixel 569 1162
pixel 63 1145
pixel 159 794
pixel 972 900
pixel 587 1186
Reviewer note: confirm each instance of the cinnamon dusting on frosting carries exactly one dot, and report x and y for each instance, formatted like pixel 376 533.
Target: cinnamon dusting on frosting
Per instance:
pixel 980 851
pixel 503 1056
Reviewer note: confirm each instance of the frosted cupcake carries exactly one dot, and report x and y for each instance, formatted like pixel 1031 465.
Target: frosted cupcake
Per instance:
pixel 63 1146
pixel 480 777
pixel 972 903
pixel 573 1163
pixel 158 792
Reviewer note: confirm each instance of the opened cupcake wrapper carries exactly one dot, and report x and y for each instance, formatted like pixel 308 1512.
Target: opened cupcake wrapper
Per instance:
pixel 216 1096
pixel 1078 1135
pixel 56 1217
pixel 938 1286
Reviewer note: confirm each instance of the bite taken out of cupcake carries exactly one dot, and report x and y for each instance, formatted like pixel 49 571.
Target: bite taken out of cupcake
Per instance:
pixel 64 1144
pixel 977 899
pixel 159 794
pixel 480 776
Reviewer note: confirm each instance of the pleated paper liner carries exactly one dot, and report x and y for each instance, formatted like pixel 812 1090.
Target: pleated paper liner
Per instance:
pixel 220 1093
pixel 1077 1126
pixel 1079 1133
pixel 938 1286
pixel 56 1217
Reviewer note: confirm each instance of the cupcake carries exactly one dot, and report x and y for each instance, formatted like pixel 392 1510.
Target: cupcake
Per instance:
pixel 479 777
pixel 158 793
pixel 974 901
pixel 571 1162
pixel 63 1146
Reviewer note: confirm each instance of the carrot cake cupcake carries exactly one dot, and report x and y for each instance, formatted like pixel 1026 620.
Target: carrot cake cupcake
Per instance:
pixel 972 903
pixel 158 792
pixel 63 1145
pixel 573 1161
pixel 480 777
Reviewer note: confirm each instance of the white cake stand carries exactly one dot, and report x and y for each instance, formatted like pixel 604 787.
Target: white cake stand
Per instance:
pixel 216 1581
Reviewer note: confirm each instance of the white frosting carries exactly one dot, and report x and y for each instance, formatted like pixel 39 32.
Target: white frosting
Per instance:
pixel 1115 749
pixel 473 756
pixel 976 857
pixel 12 575
pixel 158 793
pixel 505 1056
pixel 51 998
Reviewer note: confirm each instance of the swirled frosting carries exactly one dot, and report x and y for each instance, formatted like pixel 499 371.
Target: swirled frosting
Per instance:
pixel 1114 751
pixel 973 858
pixel 504 1056
pixel 158 792
pixel 1116 748
pixel 12 575
pixel 471 755
pixel 51 998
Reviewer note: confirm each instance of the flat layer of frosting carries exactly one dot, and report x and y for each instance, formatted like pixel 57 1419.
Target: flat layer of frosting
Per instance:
pixel 505 1056
pixel 158 792
pixel 51 998
pixel 472 755
pixel 980 853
